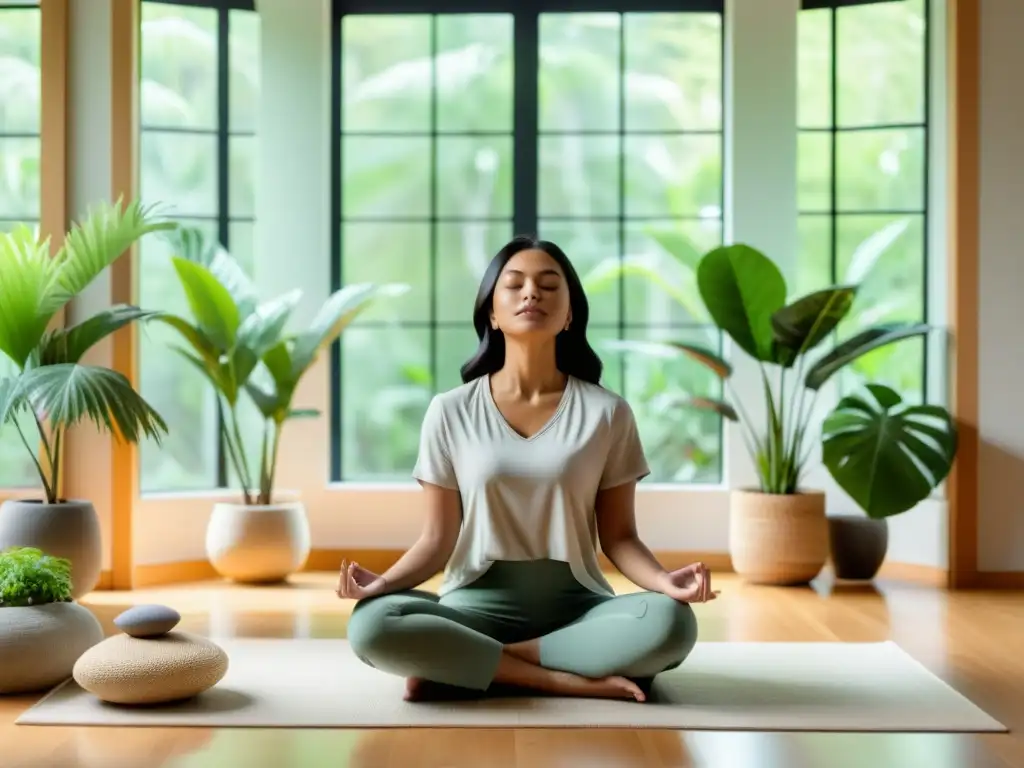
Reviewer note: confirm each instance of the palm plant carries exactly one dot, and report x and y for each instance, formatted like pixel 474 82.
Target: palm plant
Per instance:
pixel 243 348
pixel 745 295
pixel 50 382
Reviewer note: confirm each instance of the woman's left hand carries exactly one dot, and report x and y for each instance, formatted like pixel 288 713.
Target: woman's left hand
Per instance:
pixel 690 584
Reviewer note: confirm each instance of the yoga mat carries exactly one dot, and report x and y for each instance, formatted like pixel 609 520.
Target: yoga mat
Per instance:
pixel 722 686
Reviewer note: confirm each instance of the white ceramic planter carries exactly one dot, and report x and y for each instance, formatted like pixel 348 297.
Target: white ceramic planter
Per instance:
pixel 70 529
pixel 40 644
pixel 258 544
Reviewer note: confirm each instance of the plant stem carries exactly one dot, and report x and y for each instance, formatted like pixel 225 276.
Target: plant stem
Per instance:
pixel 33 452
pixel 264 483
pixel 236 460
pixel 772 441
pixel 58 486
pixel 49 452
pixel 752 443
pixel 274 446
pixel 242 461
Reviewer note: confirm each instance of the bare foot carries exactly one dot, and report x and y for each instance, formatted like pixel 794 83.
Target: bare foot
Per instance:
pixel 613 687
pixel 521 676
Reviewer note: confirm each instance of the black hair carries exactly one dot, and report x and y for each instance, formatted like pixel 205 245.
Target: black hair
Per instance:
pixel 573 354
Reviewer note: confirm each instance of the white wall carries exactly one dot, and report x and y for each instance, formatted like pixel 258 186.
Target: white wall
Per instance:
pixel 1001 301
pixel 292 236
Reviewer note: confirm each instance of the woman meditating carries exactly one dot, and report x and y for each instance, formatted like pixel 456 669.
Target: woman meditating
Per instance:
pixel 525 467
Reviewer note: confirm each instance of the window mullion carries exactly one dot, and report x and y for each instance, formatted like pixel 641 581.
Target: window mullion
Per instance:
pixel 526 111
pixel 223 192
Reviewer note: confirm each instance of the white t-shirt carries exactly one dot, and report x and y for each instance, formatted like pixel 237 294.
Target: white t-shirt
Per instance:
pixel 528 498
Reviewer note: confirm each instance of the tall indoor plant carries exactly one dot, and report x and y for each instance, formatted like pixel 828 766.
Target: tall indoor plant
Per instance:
pixel 244 349
pixel 53 385
pixel 778 529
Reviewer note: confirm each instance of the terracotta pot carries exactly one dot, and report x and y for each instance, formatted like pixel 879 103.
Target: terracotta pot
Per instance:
pixel 39 644
pixel 254 544
pixel 778 538
pixel 70 529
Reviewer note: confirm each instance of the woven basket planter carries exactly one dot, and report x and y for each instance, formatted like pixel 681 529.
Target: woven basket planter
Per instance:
pixel 778 539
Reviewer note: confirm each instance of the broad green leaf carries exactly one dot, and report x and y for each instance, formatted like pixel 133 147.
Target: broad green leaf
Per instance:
pixel 69 393
pixel 199 341
pixel 801 326
pixel 280 365
pixel 340 309
pixel 105 234
pixel 857 346
pixel 213 308
pixel 887 456
pixel 742 288
pixel 30 293
pixel 260 331
pixel 68 345
pixel 192 244
pixel 263 328
pixel 266 402
pixel 673 349
pixel 8 399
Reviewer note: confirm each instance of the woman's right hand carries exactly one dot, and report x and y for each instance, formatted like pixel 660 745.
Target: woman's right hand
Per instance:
pixel 357 583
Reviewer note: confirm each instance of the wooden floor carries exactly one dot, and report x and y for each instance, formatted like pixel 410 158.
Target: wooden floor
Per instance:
pixel 971 640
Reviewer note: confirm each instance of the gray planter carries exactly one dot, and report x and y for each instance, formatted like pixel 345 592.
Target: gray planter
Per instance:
pixel 858 546
pixel 40 644
pixel 69 529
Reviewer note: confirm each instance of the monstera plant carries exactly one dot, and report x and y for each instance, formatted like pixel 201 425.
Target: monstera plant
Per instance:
pixel 244 348
pixel 888 456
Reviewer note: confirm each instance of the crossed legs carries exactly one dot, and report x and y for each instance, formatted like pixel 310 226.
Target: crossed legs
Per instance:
pixel 605 652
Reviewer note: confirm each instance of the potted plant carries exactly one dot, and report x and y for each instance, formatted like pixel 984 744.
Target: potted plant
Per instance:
pixel 42 631
pixel 778 531
pixel 888 456
pixel 52 389
pixel 244 349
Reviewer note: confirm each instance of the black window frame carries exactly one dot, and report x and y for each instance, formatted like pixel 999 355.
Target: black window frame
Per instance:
pixel 27 135
pixel 525 15
pixel 525 132
pixel 834 129
pixel 14 218
pixel 223 132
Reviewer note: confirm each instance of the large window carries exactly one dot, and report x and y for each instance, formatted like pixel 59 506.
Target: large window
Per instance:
pixel 600 131
pixel 863 171
pixel 199 91
pixel 20 88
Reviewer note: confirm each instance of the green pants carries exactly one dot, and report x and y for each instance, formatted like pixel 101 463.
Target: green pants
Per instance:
pixel 457 639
